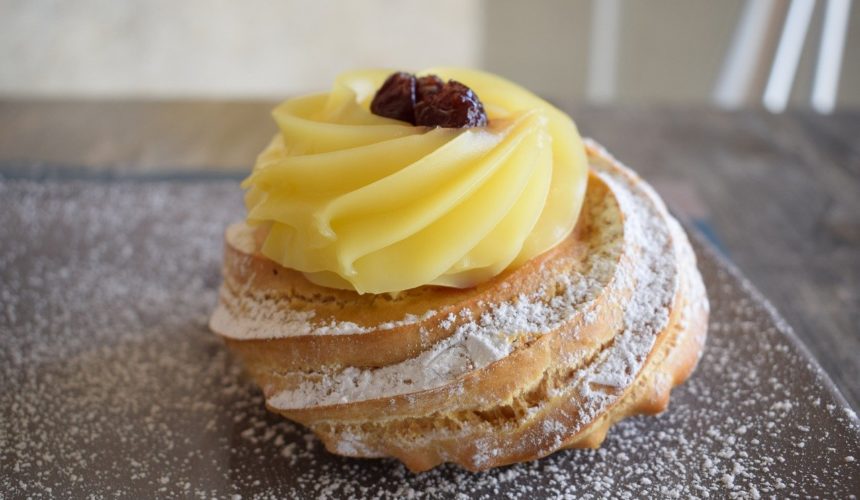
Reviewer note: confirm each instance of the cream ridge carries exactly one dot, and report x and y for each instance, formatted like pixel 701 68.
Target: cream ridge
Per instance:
pixel 358 201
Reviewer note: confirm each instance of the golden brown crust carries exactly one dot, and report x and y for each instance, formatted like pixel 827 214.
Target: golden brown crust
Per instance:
pixel 527 404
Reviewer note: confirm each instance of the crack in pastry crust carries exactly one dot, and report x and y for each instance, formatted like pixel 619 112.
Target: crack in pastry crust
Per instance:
pixel 543 357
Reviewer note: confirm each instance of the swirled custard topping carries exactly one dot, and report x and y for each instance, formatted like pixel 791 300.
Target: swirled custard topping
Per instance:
pixel 359 201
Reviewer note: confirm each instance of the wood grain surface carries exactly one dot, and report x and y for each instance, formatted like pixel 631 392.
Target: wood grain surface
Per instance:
pixel 780 194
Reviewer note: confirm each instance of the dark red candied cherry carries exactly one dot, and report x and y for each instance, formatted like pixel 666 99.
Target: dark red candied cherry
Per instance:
pixel 426 86
pixel 396 98
pixel 453 106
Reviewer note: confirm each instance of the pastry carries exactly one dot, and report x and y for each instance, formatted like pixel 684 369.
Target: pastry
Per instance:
pixel 558 298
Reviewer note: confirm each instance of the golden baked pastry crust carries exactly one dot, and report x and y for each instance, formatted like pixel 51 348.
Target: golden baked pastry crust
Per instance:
pixel 551 388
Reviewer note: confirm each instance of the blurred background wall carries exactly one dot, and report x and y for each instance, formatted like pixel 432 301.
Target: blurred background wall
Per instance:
pixel 667 50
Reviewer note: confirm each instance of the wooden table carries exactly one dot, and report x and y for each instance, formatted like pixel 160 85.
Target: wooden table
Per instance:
pixel 779 193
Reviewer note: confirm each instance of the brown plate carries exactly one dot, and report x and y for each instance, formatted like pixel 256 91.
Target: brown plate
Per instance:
pixel 111 383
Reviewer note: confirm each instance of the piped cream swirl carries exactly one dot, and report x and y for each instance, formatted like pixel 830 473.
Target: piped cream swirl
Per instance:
pixel 354 200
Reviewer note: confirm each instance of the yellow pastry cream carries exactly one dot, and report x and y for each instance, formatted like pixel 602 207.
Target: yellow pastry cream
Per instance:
pixel 363 202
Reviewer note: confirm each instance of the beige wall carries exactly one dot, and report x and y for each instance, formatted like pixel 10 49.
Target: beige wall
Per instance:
pixel 670 50
pixel 246 48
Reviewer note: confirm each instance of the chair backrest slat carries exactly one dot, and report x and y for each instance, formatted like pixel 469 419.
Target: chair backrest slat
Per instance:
pixel 784 68
pixel 737 78
pixel 601 83
pixel 829 64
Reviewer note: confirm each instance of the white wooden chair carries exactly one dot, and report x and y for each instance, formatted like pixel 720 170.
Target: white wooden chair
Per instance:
pixel 747 53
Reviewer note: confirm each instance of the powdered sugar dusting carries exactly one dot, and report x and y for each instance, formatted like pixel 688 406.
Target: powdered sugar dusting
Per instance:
pixel 262 317
pixel 660 251
pixel 113 386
